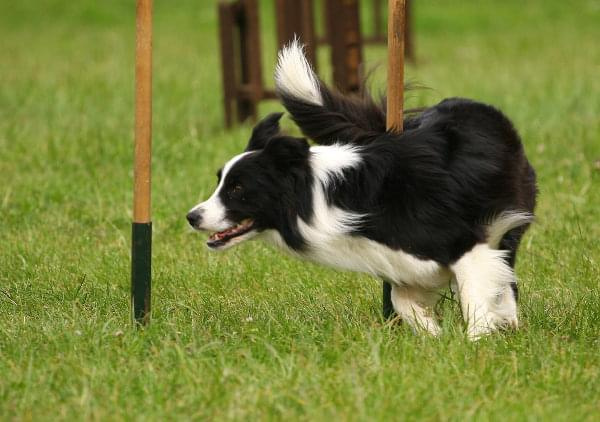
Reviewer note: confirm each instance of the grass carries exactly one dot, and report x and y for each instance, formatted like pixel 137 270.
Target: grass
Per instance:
pixel 252 334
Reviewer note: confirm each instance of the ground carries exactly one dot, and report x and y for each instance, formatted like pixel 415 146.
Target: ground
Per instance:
pixel 250 334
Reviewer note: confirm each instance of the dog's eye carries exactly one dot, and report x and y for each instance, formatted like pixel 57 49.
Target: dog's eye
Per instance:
pixel 236 190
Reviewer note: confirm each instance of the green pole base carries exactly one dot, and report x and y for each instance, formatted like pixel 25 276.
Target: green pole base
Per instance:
pixel 141 271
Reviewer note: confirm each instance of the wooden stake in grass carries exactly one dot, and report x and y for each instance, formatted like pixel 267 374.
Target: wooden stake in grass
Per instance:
pixel 395 96
pixel 141 237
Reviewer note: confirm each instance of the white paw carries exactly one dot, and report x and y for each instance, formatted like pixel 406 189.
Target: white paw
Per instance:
pixel 426 326
pixel 489 323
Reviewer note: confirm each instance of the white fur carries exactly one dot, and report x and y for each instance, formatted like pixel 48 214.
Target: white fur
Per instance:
pixel 329 161
pixel 359 254
pixel 213 211
pixel 483 280
pixel 498 227
pixel 294 76
pixel 505 222
pixel 415 306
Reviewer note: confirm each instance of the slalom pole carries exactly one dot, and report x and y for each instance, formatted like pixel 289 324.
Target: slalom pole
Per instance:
pixel 395 96
pixel 141 233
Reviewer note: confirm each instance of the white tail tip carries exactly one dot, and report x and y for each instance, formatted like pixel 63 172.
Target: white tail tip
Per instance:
pixel 294 76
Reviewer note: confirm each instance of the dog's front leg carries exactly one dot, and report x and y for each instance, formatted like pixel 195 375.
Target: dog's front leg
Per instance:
pixel 415 306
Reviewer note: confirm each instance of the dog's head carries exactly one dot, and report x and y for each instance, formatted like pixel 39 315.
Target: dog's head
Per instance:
pixel 263 188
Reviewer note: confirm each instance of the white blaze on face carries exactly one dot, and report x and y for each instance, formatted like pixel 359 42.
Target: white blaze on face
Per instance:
pixel 213 210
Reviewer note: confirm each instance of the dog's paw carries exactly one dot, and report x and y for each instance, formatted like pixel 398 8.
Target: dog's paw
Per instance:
pixel 490 323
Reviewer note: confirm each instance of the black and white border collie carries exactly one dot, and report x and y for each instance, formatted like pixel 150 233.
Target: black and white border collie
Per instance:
pixel 446 201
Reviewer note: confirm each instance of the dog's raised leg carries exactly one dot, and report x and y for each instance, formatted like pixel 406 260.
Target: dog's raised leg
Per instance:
pixel 484 279
pixel 415 306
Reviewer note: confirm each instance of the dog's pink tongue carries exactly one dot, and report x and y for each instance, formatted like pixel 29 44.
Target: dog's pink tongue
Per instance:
pixel 229 231
pixel 220 235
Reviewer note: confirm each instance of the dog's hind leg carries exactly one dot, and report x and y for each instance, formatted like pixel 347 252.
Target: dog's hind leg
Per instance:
pixel 484 279
pixel 510 242
pixel 415 306
pixel 388 306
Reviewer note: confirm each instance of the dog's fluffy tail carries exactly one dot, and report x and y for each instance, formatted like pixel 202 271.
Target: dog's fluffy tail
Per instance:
pixel 504 223
pixel 323 115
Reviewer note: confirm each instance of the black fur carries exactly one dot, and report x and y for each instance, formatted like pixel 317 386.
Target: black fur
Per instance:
pixel 263 131
pixel 430 190
pixel 341 119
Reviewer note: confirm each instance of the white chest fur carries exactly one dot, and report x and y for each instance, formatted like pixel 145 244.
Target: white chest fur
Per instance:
pixel 355 253
pixel 367 256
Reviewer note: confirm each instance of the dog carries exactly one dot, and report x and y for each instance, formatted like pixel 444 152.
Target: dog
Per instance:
pixel 445 202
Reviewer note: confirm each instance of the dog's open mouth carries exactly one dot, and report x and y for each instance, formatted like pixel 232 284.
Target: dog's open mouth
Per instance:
pixel 223 238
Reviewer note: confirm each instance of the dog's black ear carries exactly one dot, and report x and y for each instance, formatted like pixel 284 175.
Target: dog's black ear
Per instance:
pixel 263 131
pixel 287 151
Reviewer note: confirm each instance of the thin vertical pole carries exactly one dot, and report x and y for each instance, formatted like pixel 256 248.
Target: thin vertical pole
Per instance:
pixel 395 96
pixel 395 79
pixel 141 239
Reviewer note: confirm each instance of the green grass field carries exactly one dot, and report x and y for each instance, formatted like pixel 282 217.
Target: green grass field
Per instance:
pixel 251 334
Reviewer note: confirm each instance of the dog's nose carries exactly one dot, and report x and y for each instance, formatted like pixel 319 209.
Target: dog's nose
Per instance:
pixel 194 217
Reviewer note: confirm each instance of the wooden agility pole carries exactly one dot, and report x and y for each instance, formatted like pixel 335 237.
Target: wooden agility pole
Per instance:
pixel 395 97
pixel 141 233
